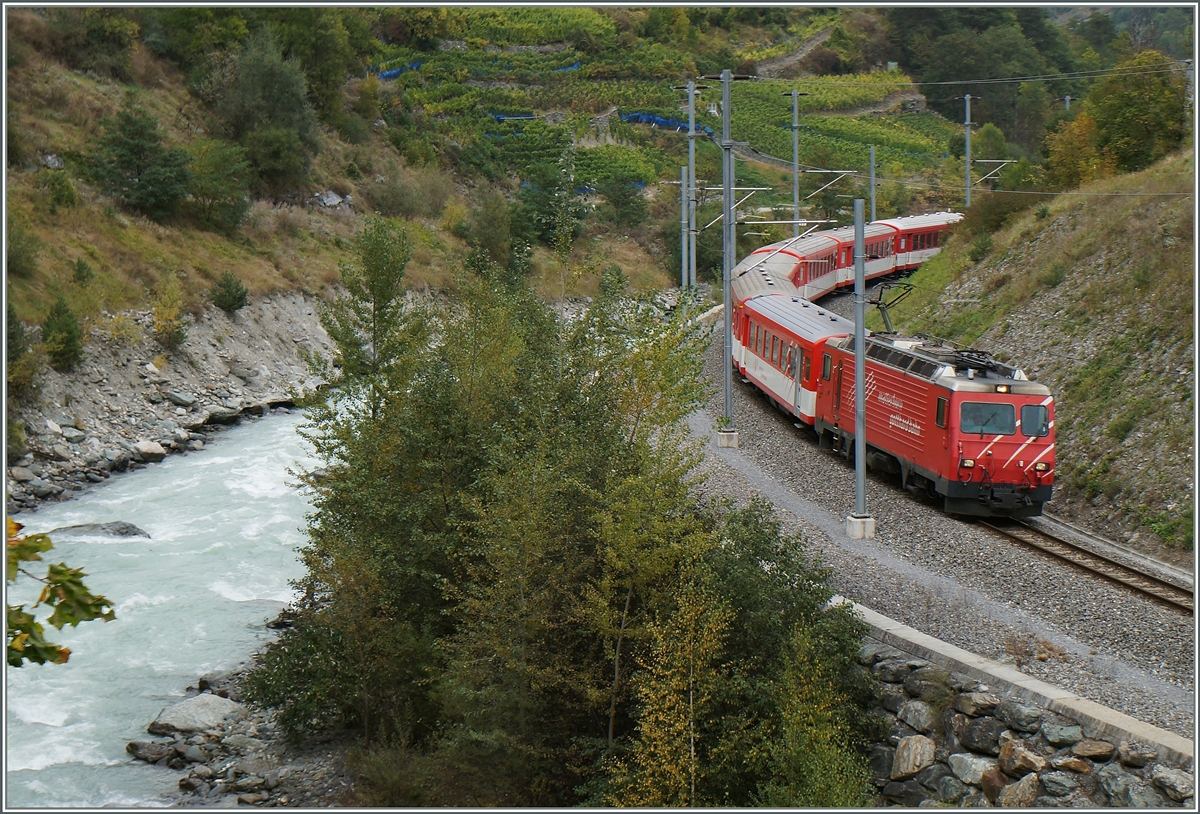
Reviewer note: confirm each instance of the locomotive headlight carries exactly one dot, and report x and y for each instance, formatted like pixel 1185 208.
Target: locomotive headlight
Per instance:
pixel 1002 388
pixel 1041 466
pixel 967 463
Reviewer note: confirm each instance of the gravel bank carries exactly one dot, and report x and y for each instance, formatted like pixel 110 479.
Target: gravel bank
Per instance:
pixel 953 580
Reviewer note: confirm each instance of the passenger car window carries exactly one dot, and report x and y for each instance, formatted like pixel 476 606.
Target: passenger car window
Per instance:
pixel 988 418
pixel 1035 420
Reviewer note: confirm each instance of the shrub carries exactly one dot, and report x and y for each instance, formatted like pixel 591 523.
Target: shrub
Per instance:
pixel 219 183
pixel 81 273
pixel 278 158
pixel 170 327
pixel 20 364
pixel 229 294
pixel 23 250
pixel 980 247
pixel 61 337
pixel 62 191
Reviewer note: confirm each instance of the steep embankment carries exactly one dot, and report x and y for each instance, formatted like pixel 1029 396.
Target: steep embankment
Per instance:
pixel 1093 295
pixel 83 425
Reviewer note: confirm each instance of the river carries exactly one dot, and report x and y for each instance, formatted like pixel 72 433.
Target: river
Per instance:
pixel 224 527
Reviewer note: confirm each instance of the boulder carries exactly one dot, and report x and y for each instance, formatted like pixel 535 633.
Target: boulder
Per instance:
pixel 909 793
pixel 1059 784
pixel 181 399
pixel 149 751
pixel 927 682
pixel 930 775
pixel 20 474
pixel 879 764
pixel 1071 764
pixel 242 743
pixel 53 426
pixel 893 671
pixel 1021 794
pixel 116 529
pixel 1176 784
pixel 220 415
pixel 43 488
pixel 918 715
pixel 1017 761
pixel 1093 749
pixel 1127 790
pixel 148 451
pixel 1135 754
pixel 1061 734
pixel 976 704
pixel 949 789
pixel 196 714
pixel 983 735
pixel 195 754
pixel 970 768
pixel 892 697
pixel 250 799
pixel 72 435
pixel 1019 716
pixel 992 781
pixel 913 754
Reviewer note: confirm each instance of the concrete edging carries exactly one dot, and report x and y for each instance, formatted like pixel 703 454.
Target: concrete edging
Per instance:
pixel 1096 720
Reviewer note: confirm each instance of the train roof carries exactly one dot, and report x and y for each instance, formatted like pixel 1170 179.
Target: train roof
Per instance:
pixel 803 318
pixel 922 221
pixel 952 368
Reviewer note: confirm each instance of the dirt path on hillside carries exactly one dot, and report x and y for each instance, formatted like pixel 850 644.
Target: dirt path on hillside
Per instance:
pixel 774 65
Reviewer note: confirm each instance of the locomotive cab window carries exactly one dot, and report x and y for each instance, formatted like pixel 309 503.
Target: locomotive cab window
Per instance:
pixel 988 418
pixel 1035 420
pixel 941 412
pixel 827 367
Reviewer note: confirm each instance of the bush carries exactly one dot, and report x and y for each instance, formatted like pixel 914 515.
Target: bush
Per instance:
pixel 20 364
pixel 980 247
pixel 420 194
pixel 22 250
pixel 278 158
pixel 62 191
pixel 229 294
pixel 170 327
pixel 81 273
pixel 61 337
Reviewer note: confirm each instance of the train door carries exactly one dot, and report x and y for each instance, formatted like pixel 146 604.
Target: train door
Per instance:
pixel 793 372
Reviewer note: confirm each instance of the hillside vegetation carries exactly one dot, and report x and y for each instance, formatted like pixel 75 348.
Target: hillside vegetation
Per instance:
pixel 1093 294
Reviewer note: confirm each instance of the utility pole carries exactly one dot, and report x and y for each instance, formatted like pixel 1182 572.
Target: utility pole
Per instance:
pixel 727 435
pixel 795 94
pixel 683 227
pixel 967 141
pixel 872 183
pixel 693 90
pixel 860 525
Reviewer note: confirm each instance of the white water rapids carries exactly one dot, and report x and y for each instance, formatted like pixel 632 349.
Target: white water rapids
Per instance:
pixel 224 526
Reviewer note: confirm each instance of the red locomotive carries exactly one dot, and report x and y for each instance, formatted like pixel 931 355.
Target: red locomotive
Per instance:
pixel 955 424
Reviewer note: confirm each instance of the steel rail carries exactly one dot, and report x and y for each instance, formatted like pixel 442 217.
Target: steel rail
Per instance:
pixel 1112 570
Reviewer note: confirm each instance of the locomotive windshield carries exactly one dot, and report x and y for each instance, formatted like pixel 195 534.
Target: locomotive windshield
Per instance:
pixel 1035 420
pixel 988 418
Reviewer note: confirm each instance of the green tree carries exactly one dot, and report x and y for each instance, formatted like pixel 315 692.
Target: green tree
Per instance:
pixel 278 158
pixel 228 293
pixel 131 164
pixel 190 35
pixel 63 591
pixel 22 249
pixel 61 337
pixel 318 39
pixel 989 143
pixel 370 326
pixel 1140 114
pixel 219 182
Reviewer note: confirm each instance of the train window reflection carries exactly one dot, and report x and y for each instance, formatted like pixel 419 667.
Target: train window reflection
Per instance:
pixel 1035 420
pixel 988 418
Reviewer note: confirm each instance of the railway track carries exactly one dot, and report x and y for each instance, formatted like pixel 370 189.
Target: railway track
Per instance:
pixel 1179 597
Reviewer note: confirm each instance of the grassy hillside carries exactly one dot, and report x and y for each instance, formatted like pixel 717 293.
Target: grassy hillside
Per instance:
pixel 1092 293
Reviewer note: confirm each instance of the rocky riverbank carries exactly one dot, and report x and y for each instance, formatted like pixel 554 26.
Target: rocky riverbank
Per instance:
pixel 130 403
pixel 228 755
